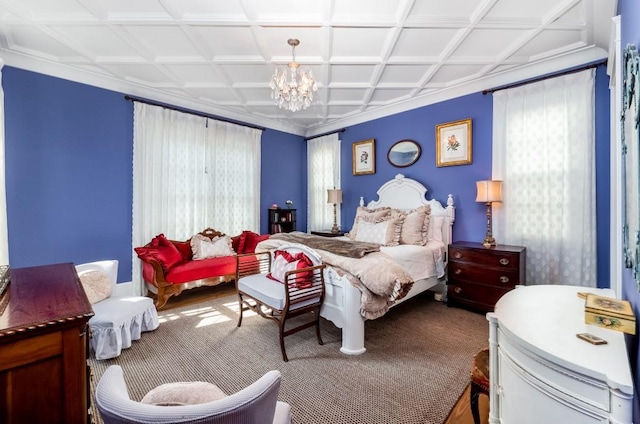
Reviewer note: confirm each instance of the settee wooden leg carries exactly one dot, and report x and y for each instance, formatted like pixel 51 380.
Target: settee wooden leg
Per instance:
pixel 161 298
pixel 320 342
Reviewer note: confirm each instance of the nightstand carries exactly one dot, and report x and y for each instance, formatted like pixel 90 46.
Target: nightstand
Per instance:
pixel 327 233
pixel 477 277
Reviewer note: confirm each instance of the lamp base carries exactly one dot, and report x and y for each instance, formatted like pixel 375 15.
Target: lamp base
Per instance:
pixel 489 241
pixel 335 229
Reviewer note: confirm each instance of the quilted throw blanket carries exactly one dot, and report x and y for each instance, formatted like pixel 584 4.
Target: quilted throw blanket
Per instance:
pixel 380 279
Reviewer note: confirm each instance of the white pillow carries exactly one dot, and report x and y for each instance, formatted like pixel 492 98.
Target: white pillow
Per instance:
pixel 372 215
pixel 386 233
pixel 435 228
pixel 96 285
pixel 183 393
pixel 203 247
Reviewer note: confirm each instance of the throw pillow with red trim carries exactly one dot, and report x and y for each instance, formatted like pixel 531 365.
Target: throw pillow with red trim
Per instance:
pixel 284 261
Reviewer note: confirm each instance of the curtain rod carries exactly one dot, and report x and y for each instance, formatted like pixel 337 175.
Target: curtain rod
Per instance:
pixel 570 71
pixel 204 115
pixel 341 130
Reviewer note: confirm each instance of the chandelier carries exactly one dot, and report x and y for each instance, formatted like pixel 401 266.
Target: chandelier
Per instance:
pixel 293 88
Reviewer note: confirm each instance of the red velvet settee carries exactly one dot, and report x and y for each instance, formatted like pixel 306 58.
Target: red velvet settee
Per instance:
pixel 168 267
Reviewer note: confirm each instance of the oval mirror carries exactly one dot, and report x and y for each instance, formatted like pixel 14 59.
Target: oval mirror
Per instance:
pixel 404 153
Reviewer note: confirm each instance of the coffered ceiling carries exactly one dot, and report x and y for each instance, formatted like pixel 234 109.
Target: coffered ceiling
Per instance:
pixel 371 58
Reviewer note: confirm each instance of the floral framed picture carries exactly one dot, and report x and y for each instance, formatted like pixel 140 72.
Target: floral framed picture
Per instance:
pixel 364 157
pixel 453 143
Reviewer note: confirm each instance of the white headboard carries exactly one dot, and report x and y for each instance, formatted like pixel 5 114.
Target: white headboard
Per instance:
pixel 405 193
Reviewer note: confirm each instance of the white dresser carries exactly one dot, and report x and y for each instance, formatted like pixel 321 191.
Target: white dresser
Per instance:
pixel 542 373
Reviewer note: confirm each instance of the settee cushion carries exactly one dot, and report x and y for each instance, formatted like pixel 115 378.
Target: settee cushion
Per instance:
pixel 188 271
pixel 184 247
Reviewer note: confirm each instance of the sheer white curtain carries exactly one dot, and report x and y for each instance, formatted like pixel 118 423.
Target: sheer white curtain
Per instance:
pixel 323 169
pixel 4 232
pixel 180 181
pixel 543 150
pixel 233 164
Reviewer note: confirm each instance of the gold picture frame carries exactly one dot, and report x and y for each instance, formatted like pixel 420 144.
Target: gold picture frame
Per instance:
pixel 453 143
pixel 364 157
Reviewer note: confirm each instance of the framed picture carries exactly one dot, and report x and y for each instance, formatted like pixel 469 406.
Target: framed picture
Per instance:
pixel 453 143
pixel 364 157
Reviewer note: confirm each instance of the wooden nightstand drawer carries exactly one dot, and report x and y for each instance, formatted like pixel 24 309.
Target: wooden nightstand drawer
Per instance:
pixel 474 273
pixel 486 257
pixel 475 295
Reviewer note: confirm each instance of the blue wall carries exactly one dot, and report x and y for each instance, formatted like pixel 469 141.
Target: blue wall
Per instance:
pixel 284 175
pixel 629 10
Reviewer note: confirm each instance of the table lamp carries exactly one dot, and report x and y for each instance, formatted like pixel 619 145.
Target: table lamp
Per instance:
pixel 489 191
pixel 334 196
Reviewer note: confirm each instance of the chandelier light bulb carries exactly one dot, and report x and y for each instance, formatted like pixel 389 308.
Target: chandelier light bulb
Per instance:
pixel 292 88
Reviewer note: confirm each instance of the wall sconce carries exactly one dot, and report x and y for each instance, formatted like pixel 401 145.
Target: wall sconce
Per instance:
pixel 334 196
pixel 489 191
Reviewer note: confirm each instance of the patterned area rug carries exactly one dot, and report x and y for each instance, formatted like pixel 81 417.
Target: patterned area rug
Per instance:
pixel 416 364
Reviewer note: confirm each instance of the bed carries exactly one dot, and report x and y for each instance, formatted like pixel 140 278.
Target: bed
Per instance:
pixel 417 268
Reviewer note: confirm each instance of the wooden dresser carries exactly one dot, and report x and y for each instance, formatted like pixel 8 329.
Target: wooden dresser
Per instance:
pixel 477 277
pixel 43 347
pixel 542 373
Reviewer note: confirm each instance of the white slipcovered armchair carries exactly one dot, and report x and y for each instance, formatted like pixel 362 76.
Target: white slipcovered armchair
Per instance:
pixel 117 320
pixel 255 404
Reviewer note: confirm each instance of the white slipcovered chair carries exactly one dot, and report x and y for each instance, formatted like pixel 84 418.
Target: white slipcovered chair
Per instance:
pixel 117 320
pixel 255 404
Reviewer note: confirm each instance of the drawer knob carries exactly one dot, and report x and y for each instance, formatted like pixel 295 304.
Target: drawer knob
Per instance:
pixel 504 279
pixel 457 255
pixel 504 261
pixel 457 290
pixel 458 271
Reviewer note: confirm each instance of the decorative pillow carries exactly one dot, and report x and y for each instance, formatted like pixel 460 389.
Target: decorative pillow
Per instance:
pixel 203 247
pixel 161 250
pixel 235 243
pixel 96 285
pixel 184 247
pixel 251 240
pixel 183 393
pixel 415 225
pixel 374 215
pixel 386 233
pixel 284 261
pixel 436 222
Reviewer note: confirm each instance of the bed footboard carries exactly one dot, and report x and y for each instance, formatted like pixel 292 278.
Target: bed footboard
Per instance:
pixel 342 307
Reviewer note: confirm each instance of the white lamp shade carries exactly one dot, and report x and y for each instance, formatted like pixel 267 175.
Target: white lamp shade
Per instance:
pixel 489 191
pixel 334 196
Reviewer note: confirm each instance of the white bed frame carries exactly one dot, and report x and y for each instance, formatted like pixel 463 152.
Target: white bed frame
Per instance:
pixel 342 300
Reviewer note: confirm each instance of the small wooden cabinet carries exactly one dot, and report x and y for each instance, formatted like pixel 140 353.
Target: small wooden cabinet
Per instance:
pixel 478 276
pixel 44 376
pixel 282 220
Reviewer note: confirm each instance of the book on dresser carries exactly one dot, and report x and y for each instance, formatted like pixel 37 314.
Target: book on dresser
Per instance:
pixel 478 276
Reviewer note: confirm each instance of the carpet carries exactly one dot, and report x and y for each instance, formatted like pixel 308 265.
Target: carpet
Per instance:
pixel 415 368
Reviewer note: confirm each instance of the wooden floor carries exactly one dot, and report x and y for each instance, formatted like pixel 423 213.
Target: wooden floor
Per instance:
pixel 460 414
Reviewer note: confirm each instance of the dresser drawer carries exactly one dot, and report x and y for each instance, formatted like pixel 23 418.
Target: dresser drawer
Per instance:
pixel 484 297
pixel 476 273
pixel 486 257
